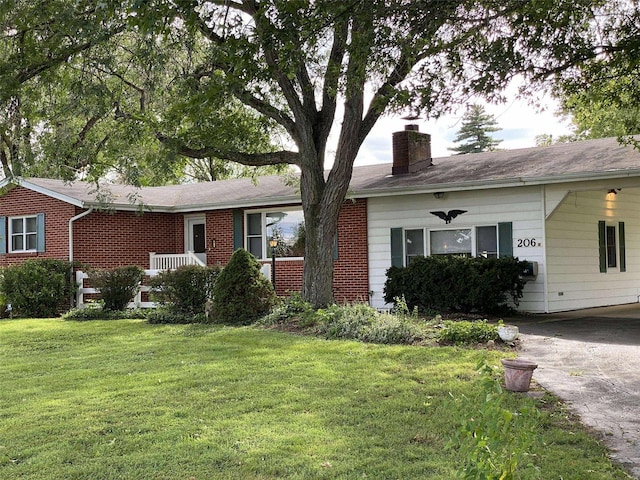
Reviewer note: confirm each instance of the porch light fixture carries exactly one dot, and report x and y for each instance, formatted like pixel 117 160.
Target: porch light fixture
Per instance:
pixel 614 191
pixel 273 243
pixel 438 195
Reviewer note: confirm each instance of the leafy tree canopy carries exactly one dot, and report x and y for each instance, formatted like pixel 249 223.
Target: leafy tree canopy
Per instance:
pixel 477 125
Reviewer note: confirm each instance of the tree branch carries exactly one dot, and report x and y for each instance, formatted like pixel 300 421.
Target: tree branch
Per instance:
pixel 249 159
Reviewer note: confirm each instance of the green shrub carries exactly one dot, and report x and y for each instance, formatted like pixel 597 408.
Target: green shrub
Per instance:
pixel 185 290
pixel 38 287
pixel 91 313
pixel 293 310
pixel 117 286
pixel 451 283
pixel 168 316
pixel 465 332
pixel 241 293
pixel 365 323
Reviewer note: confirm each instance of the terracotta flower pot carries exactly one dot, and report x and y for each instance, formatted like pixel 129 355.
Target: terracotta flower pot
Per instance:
pixel 518 373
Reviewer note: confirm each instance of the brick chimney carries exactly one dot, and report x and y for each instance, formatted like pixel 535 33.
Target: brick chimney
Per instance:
pixel 411 150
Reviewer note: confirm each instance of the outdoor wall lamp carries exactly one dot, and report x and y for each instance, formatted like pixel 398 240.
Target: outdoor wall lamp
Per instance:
pixel 273 243
pixel 438 195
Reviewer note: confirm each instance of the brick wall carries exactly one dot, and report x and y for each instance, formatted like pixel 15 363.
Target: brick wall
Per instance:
pixel 20 201
pixel 107 240
pixel 351 274
pixel 219 236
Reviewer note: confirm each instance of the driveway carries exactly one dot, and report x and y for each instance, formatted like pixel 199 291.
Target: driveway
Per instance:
pixel 591 359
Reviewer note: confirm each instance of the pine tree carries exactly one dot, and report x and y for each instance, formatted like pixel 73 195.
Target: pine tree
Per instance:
pixel 476 126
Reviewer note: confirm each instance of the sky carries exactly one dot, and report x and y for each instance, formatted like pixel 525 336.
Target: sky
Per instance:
pixel 519 121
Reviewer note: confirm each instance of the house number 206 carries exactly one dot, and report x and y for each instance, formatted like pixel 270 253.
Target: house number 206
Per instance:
pixel 526 242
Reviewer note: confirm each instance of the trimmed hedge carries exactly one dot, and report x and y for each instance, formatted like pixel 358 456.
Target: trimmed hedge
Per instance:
pixel 38 288
pixel 117 286
pixel 462 284
pixel 185 290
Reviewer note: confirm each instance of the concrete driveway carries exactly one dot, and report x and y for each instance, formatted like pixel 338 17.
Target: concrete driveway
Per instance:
pixel 591 359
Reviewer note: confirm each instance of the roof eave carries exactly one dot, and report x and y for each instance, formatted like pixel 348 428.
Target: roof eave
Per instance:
pixel 501 183
pixel 44 191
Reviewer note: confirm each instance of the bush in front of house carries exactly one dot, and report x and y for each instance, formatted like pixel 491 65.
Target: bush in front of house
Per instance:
pixel 362 322
pixel 356 321
pixel 97 313
pixel 185 290
pixel 241 293
pixel 117 286
pixel 466 332
pixel 38 288
pixel 461 284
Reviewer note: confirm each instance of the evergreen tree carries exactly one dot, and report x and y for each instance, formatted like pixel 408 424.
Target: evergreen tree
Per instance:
pixel 476 126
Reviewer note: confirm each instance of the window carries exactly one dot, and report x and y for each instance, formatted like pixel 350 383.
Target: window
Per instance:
pixel 451 242
pixel 287 227
pixel 414 244
pixel 23 234
pixel 612 250
pixel 487 242
pixel 611 245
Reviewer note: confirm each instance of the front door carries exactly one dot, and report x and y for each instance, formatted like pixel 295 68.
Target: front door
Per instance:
pixel 196 242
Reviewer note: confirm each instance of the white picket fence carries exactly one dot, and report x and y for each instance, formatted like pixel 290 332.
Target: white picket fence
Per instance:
pixel 136 303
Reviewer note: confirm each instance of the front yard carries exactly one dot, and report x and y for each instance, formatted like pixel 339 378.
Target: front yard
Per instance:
pixel 128 400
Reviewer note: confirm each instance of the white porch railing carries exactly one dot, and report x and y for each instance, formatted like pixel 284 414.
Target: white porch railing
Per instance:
pixel 137 300
pixel 171 261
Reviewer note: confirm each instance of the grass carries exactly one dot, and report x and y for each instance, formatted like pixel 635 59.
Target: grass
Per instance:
pixel 124 399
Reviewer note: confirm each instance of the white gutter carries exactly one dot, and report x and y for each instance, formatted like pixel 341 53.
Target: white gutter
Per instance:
pixel 71 220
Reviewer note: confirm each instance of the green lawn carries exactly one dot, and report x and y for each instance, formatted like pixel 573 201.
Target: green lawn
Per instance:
pixel 128 400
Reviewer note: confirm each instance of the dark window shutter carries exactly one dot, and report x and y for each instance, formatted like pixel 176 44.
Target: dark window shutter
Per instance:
pixel 238 221
pixel 602 246
pixel 396 248
pixel 623 254
pixel 505 239
pixel 40 232
pixel 335 247
pixel 3 235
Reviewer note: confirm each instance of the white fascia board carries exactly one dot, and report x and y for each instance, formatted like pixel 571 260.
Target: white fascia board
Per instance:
pixel 262 202
pixel 45 191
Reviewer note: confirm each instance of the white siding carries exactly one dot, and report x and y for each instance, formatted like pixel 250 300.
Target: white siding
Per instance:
pixel 574 278
pixel 522 206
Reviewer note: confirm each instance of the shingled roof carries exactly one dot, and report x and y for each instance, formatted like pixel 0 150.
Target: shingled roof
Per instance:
pixel 578 161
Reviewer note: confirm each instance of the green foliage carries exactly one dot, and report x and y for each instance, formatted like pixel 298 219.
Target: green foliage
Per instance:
pixel 450 283
pixel 464 332
pixel 241 293
pixel 363 322
pixel 356 321
pixel 117 286
pixel 92 313
pixel 495 439
pixel 185 290
pixel 475 130
pixel 38 287
pixel 169 316
pixel 292 311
